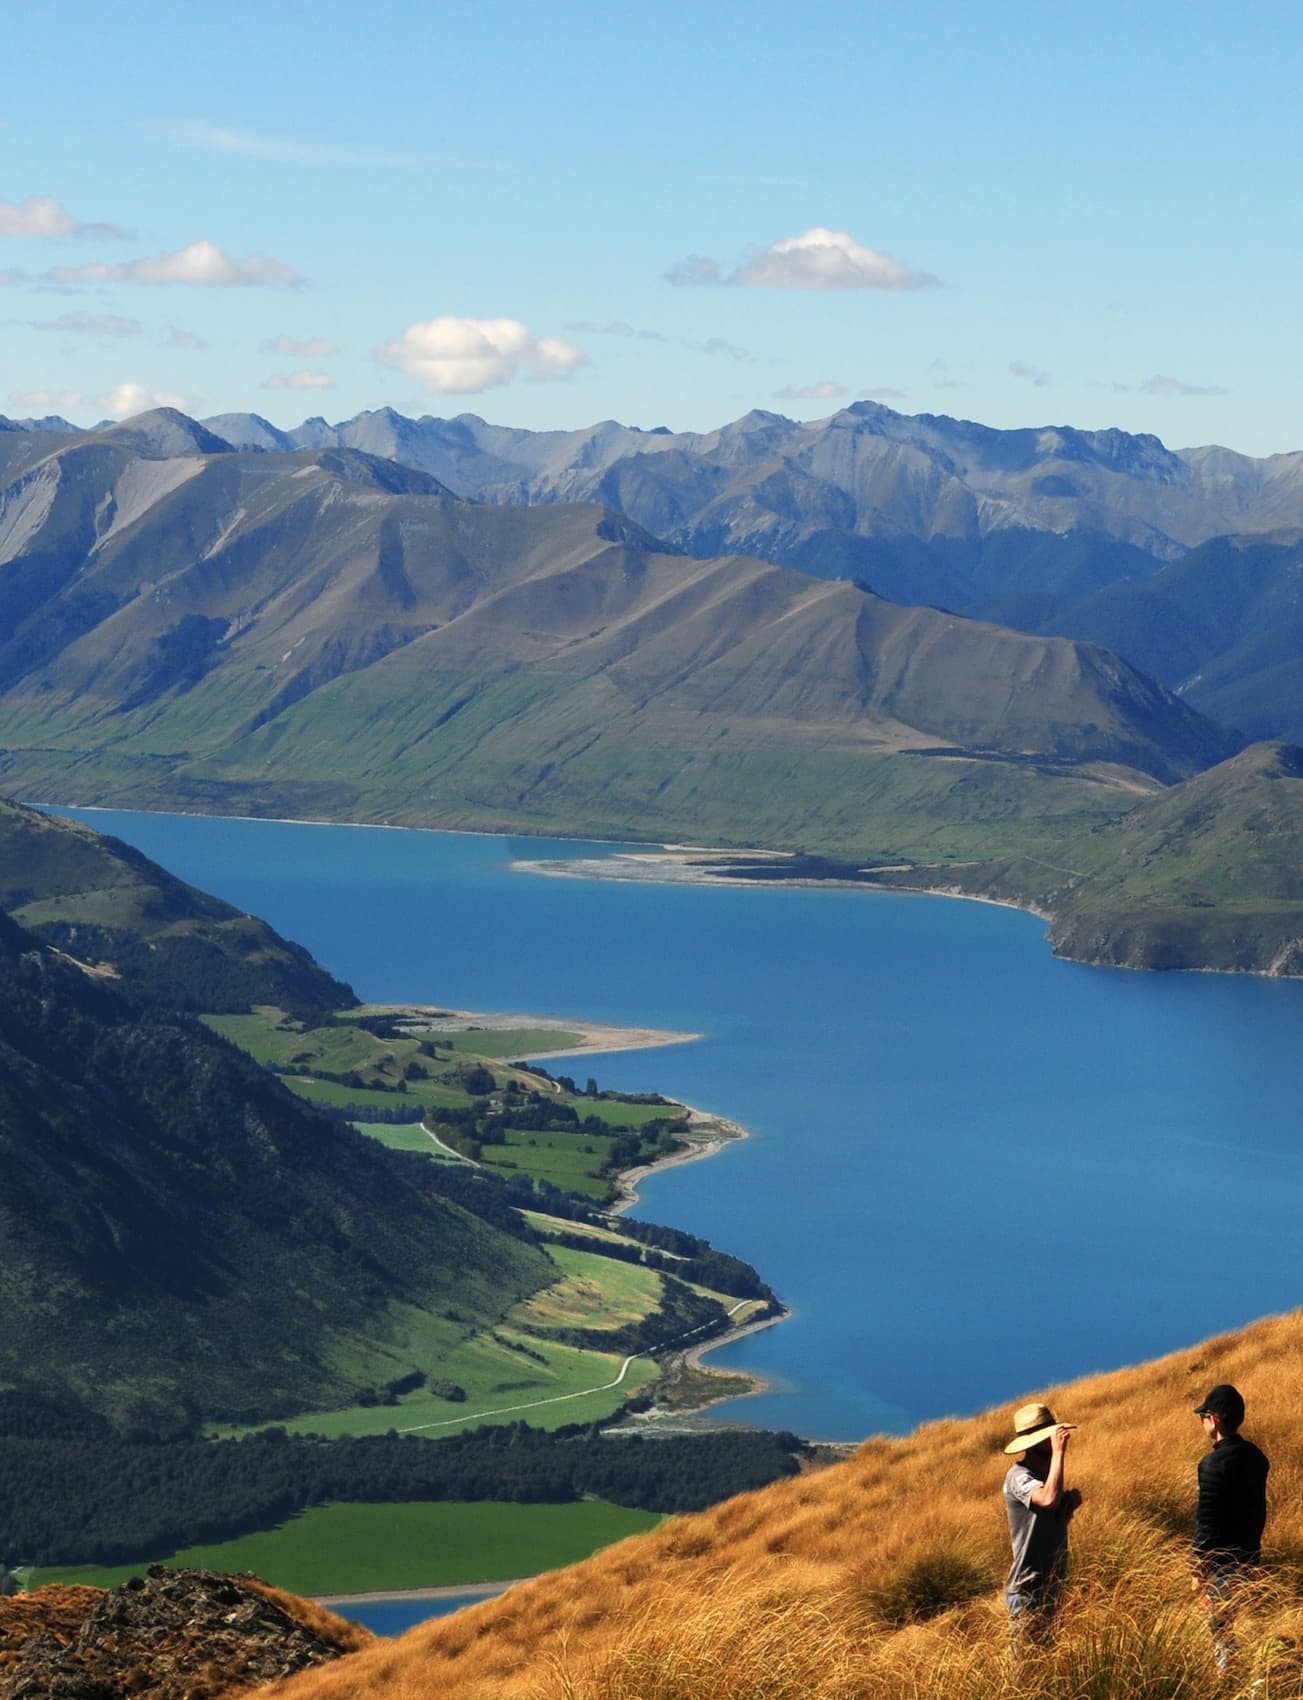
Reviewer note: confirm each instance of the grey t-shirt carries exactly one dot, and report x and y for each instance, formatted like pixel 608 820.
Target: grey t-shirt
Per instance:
pixel 1040 1537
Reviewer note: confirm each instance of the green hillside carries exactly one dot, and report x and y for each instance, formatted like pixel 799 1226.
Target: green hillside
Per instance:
pixel 106 904
pixel 1204 875
pixel 184 1239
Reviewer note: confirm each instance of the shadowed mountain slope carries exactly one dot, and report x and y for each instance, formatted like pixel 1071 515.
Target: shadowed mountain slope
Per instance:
pixel 183 1239
pixel 104 903
pixel 1223 626
pixel 881 1576
pixel 327 633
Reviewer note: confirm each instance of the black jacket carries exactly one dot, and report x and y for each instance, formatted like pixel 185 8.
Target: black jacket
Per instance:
pixel 1232 1502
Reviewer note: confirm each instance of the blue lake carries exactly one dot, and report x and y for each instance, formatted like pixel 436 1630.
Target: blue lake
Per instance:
pixel 973 1170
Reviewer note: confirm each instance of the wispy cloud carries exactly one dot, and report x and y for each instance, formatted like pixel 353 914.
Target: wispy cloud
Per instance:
pixel 278 150
pixel 44 216
pixel 693 269
pixel 88 324
pixel 619 327
pixel 613 327
pixel 298 381
pixel 817 259
pixel 177 338
pixel 943 378
pixel 1030 374
pixel 1164 386
pixel 824 390
pixel 453 356
pixel 43 400
pixel 310 348
pixel 199 263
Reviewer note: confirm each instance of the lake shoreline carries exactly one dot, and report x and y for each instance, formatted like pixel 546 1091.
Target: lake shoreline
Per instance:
pixel 707 1135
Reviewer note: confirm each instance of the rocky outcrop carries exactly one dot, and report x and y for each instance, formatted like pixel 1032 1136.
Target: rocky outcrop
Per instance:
pixel 173 1635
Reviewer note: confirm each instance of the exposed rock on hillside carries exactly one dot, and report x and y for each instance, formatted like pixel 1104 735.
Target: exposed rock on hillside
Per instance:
pixel 178 1635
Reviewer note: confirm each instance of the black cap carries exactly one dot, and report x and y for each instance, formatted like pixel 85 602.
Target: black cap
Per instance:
pixel 1223 1401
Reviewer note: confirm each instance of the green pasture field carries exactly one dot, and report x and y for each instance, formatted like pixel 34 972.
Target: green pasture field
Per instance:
pixel 346 1549
pixel 548 1384
pixel 508 1041
pixel 593 1292
pixel 601 1236
pixel 568 1160
pixel 406 1136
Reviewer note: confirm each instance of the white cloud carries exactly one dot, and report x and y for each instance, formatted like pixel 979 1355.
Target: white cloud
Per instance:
pixel 454 356
pixel 824 390
pixel 44 400
pixel 44 216
pixel 298 381
pixel 817 259
pixel 826 259
pixel 312 348
pixel 88 324
pixel 1031 374
pixel 1158 385
pixel 128 399
pixel 201 263
pixel 177 338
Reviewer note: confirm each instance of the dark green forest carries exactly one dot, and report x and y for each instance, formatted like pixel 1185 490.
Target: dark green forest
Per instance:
pixel 74 1492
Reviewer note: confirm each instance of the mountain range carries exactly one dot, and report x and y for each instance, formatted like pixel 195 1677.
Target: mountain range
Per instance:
pixel 330 633
pixel 326 632
pixel 1047 529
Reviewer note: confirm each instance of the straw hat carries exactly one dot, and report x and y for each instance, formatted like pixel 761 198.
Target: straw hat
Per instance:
pixel 1031 1425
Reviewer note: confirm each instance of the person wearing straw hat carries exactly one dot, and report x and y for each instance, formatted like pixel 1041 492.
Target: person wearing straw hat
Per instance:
pixel 1039 1505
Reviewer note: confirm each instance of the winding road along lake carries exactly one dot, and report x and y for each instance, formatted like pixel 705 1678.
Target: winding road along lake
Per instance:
pixel 973 1170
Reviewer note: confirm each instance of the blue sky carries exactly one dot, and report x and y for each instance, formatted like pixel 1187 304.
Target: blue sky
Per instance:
pixel 552 214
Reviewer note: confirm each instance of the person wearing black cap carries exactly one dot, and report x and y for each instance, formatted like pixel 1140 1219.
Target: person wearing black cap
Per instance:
pixel 1231 1515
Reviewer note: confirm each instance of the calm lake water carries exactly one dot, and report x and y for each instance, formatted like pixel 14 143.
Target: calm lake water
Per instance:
pixel 973 1170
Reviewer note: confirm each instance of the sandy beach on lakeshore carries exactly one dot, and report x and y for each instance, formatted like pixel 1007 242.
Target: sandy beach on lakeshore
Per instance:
pixel 594 1036
pixel 395 1596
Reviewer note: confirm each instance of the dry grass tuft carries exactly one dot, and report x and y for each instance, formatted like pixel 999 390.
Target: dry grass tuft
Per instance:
pixel 879 1578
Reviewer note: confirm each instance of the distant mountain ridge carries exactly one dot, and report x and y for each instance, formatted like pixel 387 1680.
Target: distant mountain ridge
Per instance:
pixel 1033 528
pixel 328 632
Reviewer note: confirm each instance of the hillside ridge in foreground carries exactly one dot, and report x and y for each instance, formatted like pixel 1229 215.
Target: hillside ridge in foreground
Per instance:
pixel 882 1575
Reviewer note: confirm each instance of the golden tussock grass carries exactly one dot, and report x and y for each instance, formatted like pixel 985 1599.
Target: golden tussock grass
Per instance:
pixel 880 1577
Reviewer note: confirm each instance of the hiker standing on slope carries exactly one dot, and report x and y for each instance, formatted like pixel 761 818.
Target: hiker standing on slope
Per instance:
pixel 1039 1506
pixel 1231 1516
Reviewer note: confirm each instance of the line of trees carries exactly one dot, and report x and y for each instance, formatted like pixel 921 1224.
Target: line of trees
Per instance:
pixel 81 1495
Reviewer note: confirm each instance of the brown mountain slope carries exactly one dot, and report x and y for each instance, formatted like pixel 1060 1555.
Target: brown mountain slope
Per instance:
pixel 324 633
pixel 881 1576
